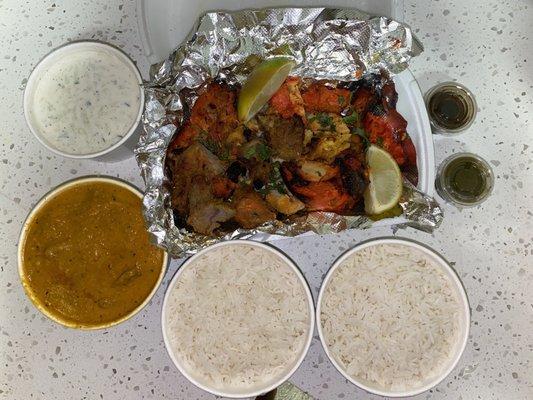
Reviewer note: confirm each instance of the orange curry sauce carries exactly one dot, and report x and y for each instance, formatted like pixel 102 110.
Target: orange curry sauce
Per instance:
pixel 87 259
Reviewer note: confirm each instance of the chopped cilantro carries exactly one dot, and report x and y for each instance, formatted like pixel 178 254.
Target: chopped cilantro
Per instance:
pixel 225 154
pixel 323 119
pixel 351 119
pixel 350 98
pixel 379 141
pixel 362 134
pixel 342 100
pixel 249 152
pixel 261 150
pixel 211 145
pixel 275 181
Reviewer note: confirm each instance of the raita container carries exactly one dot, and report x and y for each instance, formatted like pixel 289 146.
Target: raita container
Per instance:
pixel 85 100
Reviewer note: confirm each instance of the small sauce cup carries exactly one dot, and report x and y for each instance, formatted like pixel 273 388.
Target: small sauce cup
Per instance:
pixel 451 108
pixel 465 180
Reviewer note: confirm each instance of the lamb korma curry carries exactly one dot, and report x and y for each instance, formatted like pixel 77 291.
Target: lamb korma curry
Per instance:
pixel 86 260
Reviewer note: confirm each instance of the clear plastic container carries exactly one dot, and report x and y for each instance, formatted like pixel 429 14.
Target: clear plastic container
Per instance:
pixel 465 180
pixel 451 108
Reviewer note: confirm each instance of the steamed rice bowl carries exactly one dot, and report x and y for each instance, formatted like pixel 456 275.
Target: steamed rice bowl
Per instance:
pixel 238 319
pixel 392 319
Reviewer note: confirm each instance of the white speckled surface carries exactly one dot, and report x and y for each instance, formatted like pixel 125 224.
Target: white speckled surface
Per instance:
pixel 487 45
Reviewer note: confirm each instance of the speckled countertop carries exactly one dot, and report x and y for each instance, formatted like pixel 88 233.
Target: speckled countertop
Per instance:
pixel 487 45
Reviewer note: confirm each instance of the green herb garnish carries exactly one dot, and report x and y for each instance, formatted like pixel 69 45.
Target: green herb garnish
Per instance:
pixel 341 100
pixel 351 119
pixel 275 180
pixel 224 154
pixel 260 150
pixel 263 151
pixel 324 120
pixel 350 98
pixel 211 145
pixel 362 134
pixel 249 152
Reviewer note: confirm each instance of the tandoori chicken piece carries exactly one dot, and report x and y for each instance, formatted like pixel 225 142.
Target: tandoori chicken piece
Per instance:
pixel 206 218
pixel 324 196
pixel 387 130
pixel 287 101
pixel 319 97
pixel 375 99
pixel 213 114
pixel 319 195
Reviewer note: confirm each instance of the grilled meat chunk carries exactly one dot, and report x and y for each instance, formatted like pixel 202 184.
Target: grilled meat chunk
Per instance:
pixel 207 217
pixel 327 195
pixel 319 97
pixel 284 203
pixel 251 210
pixel 324 196
pixel 213 114
pixel 287 101
pixel 205 212
pixel 284 136
pixel 196 161
pixel 388 130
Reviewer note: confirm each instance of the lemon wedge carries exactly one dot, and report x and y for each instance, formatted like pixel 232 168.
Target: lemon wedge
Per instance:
pixel 385 187
pixel 265 79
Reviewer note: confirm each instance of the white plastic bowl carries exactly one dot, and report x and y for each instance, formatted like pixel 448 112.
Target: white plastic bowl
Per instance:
pixel 115 152
pixel 290 369
pixel 464 323
pixel 22 240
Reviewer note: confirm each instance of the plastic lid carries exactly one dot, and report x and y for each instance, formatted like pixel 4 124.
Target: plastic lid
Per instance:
pixel 164 24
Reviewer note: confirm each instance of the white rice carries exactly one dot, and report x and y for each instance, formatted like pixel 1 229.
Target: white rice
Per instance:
pixel 389 317
pixel 237 318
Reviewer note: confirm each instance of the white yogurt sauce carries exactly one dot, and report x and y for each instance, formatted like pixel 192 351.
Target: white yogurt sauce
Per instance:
pixel 86 101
